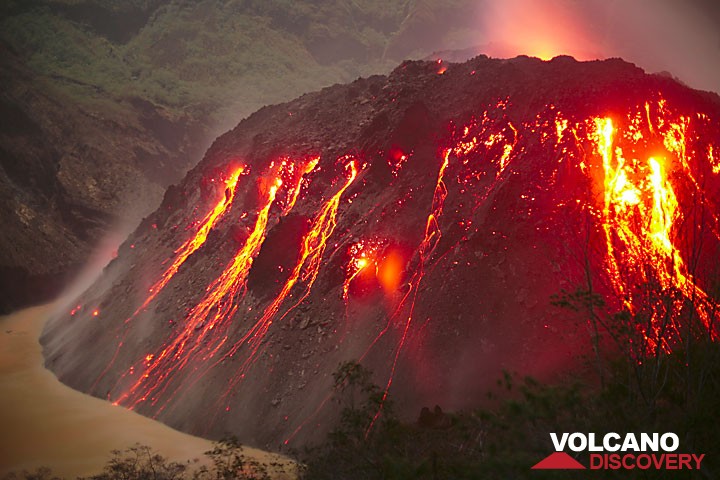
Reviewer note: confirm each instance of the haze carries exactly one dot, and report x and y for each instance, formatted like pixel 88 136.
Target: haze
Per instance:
pixel 679 37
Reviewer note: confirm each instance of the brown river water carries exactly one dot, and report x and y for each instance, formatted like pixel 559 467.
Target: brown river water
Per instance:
pixel 45 423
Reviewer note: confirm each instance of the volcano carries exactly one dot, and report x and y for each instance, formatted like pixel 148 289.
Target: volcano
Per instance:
pixel 420 223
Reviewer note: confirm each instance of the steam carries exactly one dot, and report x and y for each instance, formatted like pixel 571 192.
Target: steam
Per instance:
pixel 679 37
pixel 104 252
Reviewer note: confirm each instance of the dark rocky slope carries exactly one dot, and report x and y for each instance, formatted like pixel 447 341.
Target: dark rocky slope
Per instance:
pixel 73 169
pixel 105 103
pixel 448 204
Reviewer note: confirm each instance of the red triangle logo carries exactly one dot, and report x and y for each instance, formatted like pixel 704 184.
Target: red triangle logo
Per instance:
pixel 558 461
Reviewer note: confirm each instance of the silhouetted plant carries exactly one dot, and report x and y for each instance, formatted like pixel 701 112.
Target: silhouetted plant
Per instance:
pixel 139 462
pixel 370 442
pixel 42 473
pixel 230 463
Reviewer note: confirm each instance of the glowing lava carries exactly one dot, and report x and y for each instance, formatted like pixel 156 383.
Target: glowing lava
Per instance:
pixel 425 250
pixel 362 255
pixel 390 271
pixel 192 244
pixel 219 305
pixel 540 29
pixel 306 271
pixel 623 171
pixel 640 214
pixel 219 301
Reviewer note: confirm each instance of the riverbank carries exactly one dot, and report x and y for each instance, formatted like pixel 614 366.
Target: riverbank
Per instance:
pixel 45 423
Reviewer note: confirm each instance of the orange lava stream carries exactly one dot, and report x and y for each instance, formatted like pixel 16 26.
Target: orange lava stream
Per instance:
pixel 205 328
pixel 297 181
pixel 429 242
pixel 356 266
pixel 192 244
pixel 362 256
pixel 466 149
pixel 220 299
pixel 675 141
pixel 182 253
pixel 306 270
pixel 640 211
pixel 220 303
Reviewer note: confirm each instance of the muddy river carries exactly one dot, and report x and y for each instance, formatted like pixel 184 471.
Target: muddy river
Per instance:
pixel 45 423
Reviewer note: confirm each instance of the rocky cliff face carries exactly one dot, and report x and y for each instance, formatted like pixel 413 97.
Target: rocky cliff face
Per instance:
pixel 72 171
pixel 106 103
pixel 418 222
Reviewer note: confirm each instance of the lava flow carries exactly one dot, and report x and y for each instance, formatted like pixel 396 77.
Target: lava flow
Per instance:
pixel 458 205
pixel 182 253
pixel 306 271
pixel 362 256
pixel 425 251
pixel 640 217
pixel 220 299
pixel 192 244
pixel 213 313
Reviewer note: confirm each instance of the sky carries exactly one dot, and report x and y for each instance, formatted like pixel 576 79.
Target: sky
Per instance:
pixel 677 36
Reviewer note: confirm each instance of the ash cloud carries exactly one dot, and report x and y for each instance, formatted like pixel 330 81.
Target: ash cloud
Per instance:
pixel 679 37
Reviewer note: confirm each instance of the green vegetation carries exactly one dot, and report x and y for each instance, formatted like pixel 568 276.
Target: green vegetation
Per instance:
pixel 217 58
pixel 506 439
pixel 371 442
